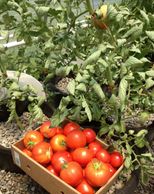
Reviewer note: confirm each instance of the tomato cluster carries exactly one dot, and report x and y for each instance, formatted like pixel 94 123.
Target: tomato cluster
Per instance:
pixel 74 154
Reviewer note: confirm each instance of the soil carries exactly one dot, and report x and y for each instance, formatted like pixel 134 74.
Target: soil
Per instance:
pixel 13 183
pixel 62 84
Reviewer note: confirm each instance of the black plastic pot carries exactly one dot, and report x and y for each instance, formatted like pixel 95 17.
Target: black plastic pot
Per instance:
pixel 6 161
pixel 57 94
pixel 21 107
pixel 130 185
pixel 47 109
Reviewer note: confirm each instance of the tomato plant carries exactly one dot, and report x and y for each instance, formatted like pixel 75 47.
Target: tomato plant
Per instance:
pixel 116 159
pixel 58 142
pixel 46 129
pixel 32 138
pixel 59 159
pixel 82 156
pixel 95 147
pixel 42 153
pixel 97 173
pixel 52 170
pixel 27 152
pixel 90 134
pixel 72 173
pixel 70 127
pixel 103 155
pixel 76 139
pixel 85 188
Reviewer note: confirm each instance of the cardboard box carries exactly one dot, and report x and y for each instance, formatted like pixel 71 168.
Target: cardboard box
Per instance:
pixel 50 182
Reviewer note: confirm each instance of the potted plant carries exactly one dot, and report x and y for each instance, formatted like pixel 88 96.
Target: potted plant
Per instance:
pixel 19 94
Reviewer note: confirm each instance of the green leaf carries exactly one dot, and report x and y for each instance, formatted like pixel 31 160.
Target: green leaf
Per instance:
pixel 81 87
pixel 98 90
pixel 144 60
pixel 150 34
pixel 97 112
pixel 129 149
pixel 103 131
pixel 64 102
pixel 132 31
pixel 121 42
pixel 144 177
pixel 78 77
pixel 142 75
pixel 149 155
pixel 87 109
pixel 92 58
pixel 140 142
pixel 128 161
pixel 135 50
pixel 103 62
pixel 145 17
pixel 71 87
pixel 123 90
pixel 149 83
pixel 122 126
pixel 150 73
pixel 2 48
pixel 131 132
pixel 141 133
pixel 114 101
pixel 59 117
pixel 42 10
pixel 132 61
pixel 144 117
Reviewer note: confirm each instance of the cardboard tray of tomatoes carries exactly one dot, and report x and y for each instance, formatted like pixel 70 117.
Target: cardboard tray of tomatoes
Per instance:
pixel 67 159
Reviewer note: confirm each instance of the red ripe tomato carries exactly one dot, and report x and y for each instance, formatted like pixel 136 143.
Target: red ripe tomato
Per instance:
pixel 72 173
pixel 95 147
pixel 97 173
pixel 27 152
pixel 85 188
pixel 59 159
pixel 70 127
pixel 58 142
pixel 46 130
pixel 32 138
pixel 111 169
pixel 59 130
pixel 42 153
pixel 82 156
pixel 103 155
pixel 116 159
pixel 76 139
pixel 52 170
pixel 90 134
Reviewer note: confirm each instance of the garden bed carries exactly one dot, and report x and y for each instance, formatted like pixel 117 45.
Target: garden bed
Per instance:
pixel 16 183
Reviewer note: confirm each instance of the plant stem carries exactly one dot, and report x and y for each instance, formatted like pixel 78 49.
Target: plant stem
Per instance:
pixel 47 3
pixel 74 20
pixel 19 124
pixel 89 6
pixel 112 37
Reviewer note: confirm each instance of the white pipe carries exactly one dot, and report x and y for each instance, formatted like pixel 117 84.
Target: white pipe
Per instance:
pixel 13 44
